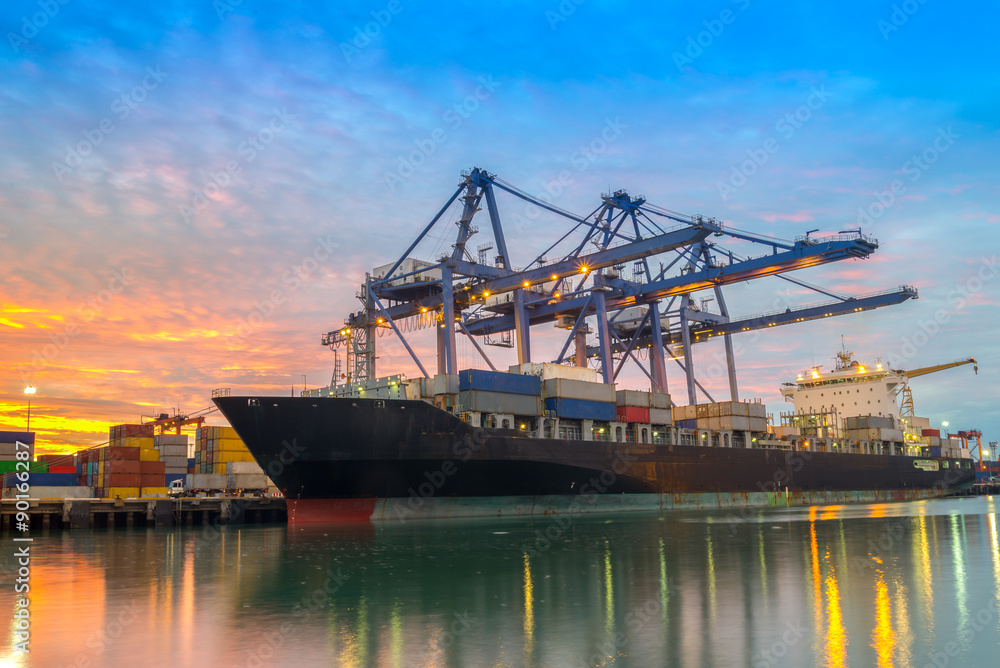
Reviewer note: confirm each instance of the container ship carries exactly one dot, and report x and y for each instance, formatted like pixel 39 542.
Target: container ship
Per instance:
pixel 631 284
pixel 544 439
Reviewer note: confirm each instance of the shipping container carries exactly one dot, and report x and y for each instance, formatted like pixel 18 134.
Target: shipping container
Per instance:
pixel 168 450
pixel 206 481
pixel 62 469
pixel 47 492
pixel 122 480
pixel 231 445
pixel 154 492
pixel 170 477
pixel 757 410
pixel 248 481
pixel 10 467
pixel 45 480
pixel 120 453
pixel 129 430
pixel 632 398
pixel 548 371
pixel 499 402
pixel 562 388
pixel 930 432
pixel 146 468
pixel 660 416
pixel 446 383
pixel 659 400
pixel 935 451
pixel 633 414
pixel 27 437
pixel 580 409
pixel 149 455
pixel 499 381
pixel 243 467
pixel 122 466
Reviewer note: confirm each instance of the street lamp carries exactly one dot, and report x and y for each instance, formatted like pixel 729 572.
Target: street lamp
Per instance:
pixel 29 390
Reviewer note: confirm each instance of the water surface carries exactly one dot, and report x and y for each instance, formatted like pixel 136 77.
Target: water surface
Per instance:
pixel 899 584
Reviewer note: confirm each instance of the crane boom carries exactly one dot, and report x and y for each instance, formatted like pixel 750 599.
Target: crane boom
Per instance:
pixel 939 367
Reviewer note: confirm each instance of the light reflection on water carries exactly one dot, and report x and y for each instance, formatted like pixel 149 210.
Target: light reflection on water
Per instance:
pixel 868 585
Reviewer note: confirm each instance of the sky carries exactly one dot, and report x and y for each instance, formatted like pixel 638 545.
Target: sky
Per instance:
pixel 192 192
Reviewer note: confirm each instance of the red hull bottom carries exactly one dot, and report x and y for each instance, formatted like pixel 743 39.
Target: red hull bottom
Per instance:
pixel 321 511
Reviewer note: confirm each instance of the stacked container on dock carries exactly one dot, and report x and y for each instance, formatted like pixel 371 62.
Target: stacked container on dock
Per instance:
pixel 9 447
pixel 499 392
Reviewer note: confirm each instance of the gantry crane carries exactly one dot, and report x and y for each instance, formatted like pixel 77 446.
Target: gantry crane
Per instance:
pixel 628 271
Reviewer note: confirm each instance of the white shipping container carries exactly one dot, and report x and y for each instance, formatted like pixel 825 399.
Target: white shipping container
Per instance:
pixel 51 492
pixel 243 467
pixel 660 416
pixel 758 424
pixel 757 410
pixel 446 383
pixel 734 423
pixel 890 434
pixel 8 450
pixel 659 400
pixel 634 398
pixel 207 480
pixel 548 371
pixel 714 410
pixel 173 451
pixel 578 389
pixel 248 481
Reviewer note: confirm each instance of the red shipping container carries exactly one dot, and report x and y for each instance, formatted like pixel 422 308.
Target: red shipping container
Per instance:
pixel 156 468
pixel 153 480
pixel 127 430
pixel 123 480
pixel 62 469
pixel 930 432
pixel 120 452
pixel 122 466
pixel 633 414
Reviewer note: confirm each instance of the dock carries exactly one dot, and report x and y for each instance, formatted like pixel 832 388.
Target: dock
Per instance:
pixel 150 513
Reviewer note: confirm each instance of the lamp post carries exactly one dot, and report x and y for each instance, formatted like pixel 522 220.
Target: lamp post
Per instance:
pixel 29 390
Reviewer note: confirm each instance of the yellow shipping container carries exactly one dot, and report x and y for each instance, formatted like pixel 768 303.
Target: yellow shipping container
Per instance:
pixel 231 445
pixel 123 492
pixel 139 442
pixel 243 456
pixel 227 432
pixel 149 491
pixel 219 467
pixel 149 455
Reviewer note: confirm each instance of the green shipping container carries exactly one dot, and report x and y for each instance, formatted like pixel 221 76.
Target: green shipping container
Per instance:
pixel 34 467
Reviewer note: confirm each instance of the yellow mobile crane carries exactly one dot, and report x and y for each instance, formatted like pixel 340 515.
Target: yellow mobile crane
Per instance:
pixel 906 406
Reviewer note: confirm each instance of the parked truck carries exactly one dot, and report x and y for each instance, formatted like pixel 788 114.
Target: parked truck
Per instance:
pixel 232 484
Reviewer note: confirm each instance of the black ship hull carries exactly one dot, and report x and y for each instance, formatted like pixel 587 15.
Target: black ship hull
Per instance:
pixel 369 459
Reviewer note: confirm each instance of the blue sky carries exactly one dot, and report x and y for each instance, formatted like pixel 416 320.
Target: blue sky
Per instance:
pixel 224 142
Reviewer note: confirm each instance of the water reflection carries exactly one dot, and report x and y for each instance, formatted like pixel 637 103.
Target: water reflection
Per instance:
pixel 841 586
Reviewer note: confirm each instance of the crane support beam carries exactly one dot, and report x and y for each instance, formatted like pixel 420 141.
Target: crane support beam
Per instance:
pixel 801 256
pixel 583 264
pixel 790 316
pixel 915 373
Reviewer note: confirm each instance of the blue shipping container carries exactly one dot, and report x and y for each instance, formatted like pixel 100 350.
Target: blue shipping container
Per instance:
pixel 499 381
pixel 174 476
pixel 14 436
pixel 935 451
pixel 46 480
pixel 191 461
pixel 580 409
